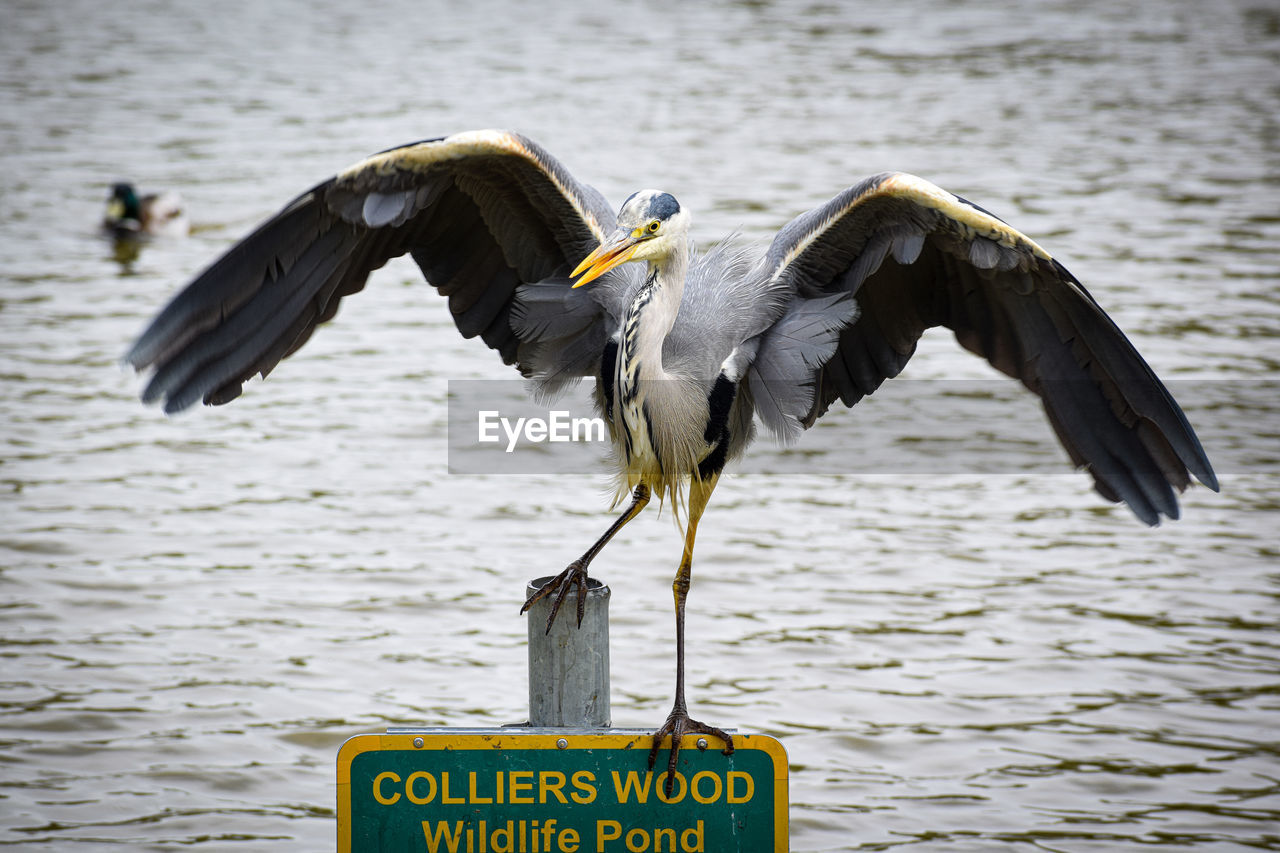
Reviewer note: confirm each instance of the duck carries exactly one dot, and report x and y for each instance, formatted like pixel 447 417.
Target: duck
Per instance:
pixel 154 215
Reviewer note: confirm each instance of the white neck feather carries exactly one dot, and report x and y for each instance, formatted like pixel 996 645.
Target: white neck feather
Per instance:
pixel 653 312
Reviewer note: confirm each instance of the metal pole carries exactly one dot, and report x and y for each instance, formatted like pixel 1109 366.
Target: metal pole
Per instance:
pixel 569 667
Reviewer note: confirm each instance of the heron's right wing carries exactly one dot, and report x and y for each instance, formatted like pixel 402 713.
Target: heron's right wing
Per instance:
pixel 483 213
pixel 914 256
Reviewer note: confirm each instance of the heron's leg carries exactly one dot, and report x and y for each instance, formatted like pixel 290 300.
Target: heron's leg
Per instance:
pixel 576 574
pixel 679 723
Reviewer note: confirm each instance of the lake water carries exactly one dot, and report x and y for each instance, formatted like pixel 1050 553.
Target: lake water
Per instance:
pixel 197 611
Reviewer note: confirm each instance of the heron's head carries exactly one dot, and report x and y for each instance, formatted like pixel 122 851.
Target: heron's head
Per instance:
pixel 651 226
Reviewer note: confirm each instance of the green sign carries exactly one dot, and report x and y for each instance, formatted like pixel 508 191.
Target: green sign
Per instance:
pixel 510 790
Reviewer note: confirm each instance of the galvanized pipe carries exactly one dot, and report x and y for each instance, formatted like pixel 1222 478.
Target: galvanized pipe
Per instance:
pixel 569 667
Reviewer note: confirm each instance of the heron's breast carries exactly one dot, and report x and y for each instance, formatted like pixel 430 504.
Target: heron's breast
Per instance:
pixel 637 434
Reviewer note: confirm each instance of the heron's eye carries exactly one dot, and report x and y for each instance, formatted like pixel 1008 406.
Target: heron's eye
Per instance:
pixel 654 226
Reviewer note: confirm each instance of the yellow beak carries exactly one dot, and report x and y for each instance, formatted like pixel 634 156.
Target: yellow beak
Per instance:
pixel 618 250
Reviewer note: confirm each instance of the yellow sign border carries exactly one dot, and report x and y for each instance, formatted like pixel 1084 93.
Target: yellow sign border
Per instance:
pixel 515 738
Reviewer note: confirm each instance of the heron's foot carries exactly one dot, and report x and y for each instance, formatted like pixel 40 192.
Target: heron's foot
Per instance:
pixel 679 724
pixel 573 577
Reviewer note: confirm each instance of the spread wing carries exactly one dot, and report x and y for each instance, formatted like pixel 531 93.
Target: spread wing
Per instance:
pixel 915 256
pixel 488 216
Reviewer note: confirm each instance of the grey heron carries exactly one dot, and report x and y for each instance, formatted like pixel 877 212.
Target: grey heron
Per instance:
pixel 690 351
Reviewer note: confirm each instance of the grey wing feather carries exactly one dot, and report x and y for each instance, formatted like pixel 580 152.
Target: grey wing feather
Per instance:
pixel 727 301
pixel 791 353
pixel 482 213
pixel 564 330
pixel 914 257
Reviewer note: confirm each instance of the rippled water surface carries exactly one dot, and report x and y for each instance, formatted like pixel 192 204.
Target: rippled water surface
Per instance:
pixel 197 611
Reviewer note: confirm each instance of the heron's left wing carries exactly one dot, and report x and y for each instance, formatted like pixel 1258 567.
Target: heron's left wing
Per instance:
pixel 915 256
pixel 483 213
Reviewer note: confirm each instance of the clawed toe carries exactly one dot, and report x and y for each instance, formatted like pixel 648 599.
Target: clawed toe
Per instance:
pixel 575 576
pixel 679 724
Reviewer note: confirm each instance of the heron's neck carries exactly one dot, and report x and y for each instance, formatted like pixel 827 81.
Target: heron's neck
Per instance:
pixel 652 313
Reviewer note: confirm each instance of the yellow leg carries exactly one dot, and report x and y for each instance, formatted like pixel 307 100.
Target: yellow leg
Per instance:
pixel 678 722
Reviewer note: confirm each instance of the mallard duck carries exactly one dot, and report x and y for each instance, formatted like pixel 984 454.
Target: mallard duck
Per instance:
pixel 158 214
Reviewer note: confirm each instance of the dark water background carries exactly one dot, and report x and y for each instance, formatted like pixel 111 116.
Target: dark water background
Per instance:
pixel 196 612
